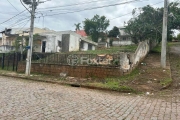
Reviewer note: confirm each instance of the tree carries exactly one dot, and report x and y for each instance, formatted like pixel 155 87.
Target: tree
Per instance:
pixel 114 32
pixel 95 26
pixel 78 26
pixel 148 23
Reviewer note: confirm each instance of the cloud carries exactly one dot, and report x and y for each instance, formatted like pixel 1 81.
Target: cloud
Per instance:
pixel 66 21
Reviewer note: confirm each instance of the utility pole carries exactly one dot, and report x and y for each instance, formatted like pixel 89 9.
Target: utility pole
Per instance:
pixel 29 53
pixel 164 35
pixel 22 47
pixel 33 5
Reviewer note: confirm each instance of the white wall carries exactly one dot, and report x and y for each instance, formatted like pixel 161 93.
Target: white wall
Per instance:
pixel 85 46
pixel 6 48
pixel 118 43
pixel 74 43
pixel 51 42
pixel 93 47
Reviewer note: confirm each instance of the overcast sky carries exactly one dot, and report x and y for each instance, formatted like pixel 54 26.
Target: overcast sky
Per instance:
pixel 64 20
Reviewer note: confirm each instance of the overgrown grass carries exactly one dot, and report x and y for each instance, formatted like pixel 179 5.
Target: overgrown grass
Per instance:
pixel 173 43
pixel 166 81
pixel 157 49
pixel 112 50
pixel 116 84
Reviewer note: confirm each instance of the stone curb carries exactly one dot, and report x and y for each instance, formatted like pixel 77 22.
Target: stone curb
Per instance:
pixel 66 83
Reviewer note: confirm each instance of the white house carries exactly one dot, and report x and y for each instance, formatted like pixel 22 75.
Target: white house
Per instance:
pixel 64 41
pixel 124 38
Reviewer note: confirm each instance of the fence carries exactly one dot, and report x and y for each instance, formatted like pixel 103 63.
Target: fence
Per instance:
pixel 9 61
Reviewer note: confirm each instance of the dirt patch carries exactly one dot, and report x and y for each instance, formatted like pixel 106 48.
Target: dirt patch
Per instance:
pixel 151 75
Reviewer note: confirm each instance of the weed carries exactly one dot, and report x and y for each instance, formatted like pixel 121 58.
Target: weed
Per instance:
pixel 166 81
pixel 156 49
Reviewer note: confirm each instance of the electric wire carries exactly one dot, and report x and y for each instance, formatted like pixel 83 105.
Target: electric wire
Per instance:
pixel 13 5
pixel 131 12
pixel 95 8
pixel 25 6
pixel 12 17
pixel 75 4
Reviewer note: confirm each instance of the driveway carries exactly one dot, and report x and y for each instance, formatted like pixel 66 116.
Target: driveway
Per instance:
pixel 30 100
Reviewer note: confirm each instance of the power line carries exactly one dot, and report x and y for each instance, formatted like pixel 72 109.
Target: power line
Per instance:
pixel 18 22
pixel 24 6
pixel 95 7
pixel 13 5
pixel 74 4
pixel 12 17
pixel 131 12
pixel 121 16
pixel 24 25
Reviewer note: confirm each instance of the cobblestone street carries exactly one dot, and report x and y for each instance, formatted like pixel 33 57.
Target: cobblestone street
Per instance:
pixel 28 100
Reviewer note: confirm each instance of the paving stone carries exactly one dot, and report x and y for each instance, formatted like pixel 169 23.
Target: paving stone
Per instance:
pixel 25 99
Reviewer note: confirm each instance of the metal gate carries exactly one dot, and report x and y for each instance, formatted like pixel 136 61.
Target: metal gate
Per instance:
pixel 9 61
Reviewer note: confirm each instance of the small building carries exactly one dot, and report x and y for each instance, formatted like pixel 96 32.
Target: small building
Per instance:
pixel 9 36
pixel 7 41
pixel 64 41
pixel 123 39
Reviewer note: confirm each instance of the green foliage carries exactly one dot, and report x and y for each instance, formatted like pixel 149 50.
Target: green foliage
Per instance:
pixel 148 24
pixel 166 81
pixel 156 49
pixel 112 50
pixel 110 42
pixel 16 44
pixel 114 32
pixel 19 39
pixel 95 26
pixel 78 26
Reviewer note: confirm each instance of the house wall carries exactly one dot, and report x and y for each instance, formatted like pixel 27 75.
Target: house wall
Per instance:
pixel 51 43
pixel 37 46
pixel 119 43
pixel 3 39
pixel 85 46
pixel 6 48
pixel 70 41
pixel 65 42
pixel 74 43
pixel 93 47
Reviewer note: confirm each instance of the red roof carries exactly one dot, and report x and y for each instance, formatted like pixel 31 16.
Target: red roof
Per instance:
pixel 81 32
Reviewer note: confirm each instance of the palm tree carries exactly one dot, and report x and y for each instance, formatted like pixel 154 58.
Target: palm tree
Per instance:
pixel 78 26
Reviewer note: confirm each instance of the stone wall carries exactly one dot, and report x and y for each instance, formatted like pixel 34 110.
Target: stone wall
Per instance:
pixel 122 42
pixel 76 71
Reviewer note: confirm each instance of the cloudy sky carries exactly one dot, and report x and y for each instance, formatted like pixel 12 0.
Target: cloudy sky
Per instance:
pixel 61 15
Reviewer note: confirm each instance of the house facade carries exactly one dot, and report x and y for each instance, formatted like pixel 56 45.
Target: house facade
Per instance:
pixel 124 38
pixel 64 41
pixel 9 37
pixel 7 41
